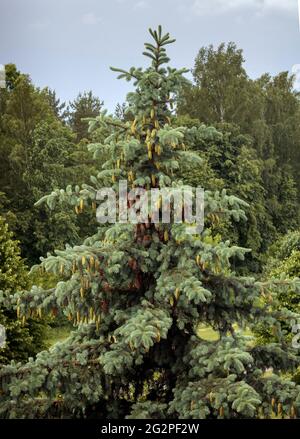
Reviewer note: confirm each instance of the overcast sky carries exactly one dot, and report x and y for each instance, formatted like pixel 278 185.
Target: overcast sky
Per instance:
pixel 69 45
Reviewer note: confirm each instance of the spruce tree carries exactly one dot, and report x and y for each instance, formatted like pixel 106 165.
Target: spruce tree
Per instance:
pixel 137 293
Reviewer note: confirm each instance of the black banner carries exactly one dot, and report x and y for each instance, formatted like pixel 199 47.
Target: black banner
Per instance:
pixel 94 429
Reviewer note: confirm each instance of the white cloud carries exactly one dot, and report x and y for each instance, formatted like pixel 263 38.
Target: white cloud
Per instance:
pixel 204 7
pixel 90 18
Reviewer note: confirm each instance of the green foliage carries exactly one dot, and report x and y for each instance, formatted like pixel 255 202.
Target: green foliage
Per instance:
pixel 38 154
pixel 257 160
pixel 13 271
pixel 84 106
pixel 231 162
pixel 283 262
pixel 22 340
pixel 222 92
pixel 283 248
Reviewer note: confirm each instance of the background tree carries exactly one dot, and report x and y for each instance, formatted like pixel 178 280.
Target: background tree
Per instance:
pixel 38 154
pixel 58 107
pixel 267 110
pixel 283 262
pixel 222 89
pixel 23 339
pixel 84 106
pixel 11 75
pixel 230 162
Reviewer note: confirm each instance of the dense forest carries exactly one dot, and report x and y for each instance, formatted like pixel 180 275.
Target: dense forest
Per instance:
pixel 144 320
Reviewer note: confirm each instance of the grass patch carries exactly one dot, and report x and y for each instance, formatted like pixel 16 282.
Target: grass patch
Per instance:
pixel 208 334
pixel 56 334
